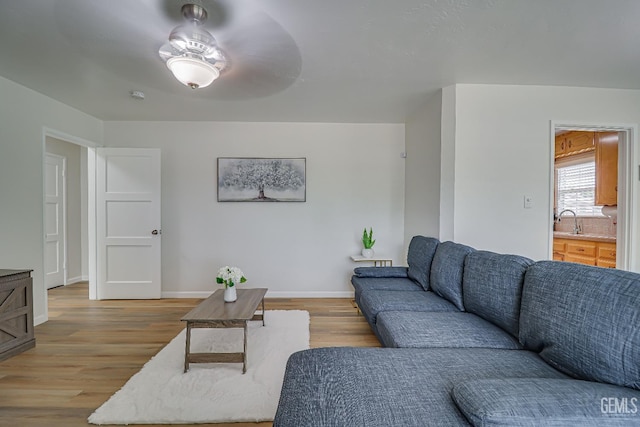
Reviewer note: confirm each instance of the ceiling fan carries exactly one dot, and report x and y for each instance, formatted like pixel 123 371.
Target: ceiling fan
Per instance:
pixel 251 54
pixel 192 53
pixel 256 55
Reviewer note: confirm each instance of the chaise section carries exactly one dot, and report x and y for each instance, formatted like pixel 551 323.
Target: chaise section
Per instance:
pixel 448 330
pixel 391 387
pixel 546 401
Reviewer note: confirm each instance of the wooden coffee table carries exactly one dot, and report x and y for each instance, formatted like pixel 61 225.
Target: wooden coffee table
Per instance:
pixel 213 312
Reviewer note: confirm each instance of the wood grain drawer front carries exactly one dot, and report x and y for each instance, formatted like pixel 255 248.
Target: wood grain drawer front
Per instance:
pixel 580 259
pixel 607 251
pixel 583 248
pixel 605 263
pixel 559 245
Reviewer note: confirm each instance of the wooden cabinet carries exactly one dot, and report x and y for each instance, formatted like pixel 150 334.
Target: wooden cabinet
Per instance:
pixel 606 256
pixel 606 168
pixel 602 254
pixel 574 142
pixel 16 312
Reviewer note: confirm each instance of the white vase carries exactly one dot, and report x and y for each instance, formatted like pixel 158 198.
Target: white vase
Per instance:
pixel 230 294
pixel 367 253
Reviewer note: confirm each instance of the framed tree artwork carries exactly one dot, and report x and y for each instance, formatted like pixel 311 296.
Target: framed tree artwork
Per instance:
pixel 252 179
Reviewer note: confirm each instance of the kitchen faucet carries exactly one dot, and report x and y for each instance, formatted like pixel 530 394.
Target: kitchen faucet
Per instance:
pixel 575 220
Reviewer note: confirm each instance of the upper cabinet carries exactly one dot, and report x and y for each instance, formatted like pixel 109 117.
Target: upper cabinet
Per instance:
pixel 574 142
pixel 606 168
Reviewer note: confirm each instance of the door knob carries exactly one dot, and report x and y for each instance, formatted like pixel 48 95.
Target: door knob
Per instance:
pixel 156 232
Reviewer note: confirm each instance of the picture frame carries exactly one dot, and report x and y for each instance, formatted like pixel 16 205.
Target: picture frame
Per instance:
pixel 261 179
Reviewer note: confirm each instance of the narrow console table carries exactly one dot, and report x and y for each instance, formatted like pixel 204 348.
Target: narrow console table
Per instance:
pixel 378 261
pixel 16 312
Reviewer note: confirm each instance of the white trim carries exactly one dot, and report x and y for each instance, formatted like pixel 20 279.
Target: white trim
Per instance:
pixel 68 138
pixel 270 294
pixel 38 320
pixel 76 279
pixel 92 245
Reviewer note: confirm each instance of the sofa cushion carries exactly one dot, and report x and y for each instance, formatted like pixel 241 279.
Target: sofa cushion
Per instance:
pixel 419 258
pixel 446 271
pixel 546 401
pixel 406 387
pixel 381 272
pixel 373 302
pixel 583 320
pixel 492 287
pixel 382 284
pixel 432 330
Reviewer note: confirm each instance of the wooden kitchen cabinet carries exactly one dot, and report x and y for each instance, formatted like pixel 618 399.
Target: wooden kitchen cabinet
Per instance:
pixel 574 142
pixel 602 254
pixel 606 255
pixel 606 168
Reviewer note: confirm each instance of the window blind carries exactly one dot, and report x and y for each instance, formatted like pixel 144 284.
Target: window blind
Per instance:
pixel 576 189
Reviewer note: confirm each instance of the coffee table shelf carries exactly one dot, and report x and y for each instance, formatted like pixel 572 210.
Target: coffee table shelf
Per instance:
pixel 213 312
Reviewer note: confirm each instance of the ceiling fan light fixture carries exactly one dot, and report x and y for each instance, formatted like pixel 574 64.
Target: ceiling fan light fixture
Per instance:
pixel 192 72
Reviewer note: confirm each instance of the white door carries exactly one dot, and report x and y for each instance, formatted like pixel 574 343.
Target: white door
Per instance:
pixel 54 171
pixel 128 223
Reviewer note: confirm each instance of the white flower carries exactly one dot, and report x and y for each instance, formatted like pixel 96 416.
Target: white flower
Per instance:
pixel 230 276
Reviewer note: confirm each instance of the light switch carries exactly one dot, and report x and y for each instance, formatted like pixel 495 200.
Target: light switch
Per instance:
pixel 528 202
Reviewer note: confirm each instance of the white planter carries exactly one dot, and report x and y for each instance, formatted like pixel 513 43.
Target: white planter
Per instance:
pixel 230 294
pixel 367 253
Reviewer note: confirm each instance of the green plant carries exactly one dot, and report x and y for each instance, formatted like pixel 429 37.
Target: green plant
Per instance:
pixel 367 239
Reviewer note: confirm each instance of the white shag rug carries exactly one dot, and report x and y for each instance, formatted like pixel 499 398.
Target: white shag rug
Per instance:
pixel 213 392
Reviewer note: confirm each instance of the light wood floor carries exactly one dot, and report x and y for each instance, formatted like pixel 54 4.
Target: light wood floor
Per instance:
pixel 89 349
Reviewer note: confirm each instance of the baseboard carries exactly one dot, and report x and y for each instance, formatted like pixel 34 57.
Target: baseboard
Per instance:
pixel 72 280
pixel 270 294
pixel 37 320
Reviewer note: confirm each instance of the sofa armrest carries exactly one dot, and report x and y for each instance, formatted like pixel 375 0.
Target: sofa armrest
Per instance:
pixel 399 272
pixel 546 402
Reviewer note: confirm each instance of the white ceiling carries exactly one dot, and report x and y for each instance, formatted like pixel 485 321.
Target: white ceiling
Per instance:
pixel 325 60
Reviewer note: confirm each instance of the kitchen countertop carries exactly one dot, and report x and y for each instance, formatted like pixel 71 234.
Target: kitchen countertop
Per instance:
pixel 592 237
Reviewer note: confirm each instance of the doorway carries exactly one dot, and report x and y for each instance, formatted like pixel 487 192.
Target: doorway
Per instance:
pixel 71 210
pixel 591 179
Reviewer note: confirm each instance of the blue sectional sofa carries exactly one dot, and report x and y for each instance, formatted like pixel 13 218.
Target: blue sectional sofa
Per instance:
pixel 477 338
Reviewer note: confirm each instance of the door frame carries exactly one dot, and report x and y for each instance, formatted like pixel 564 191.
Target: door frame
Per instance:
pixel 627 222
pixel 62 136
pixel 63 214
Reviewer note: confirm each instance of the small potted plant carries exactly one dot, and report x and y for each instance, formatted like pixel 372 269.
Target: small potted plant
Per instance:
pixel 367 242
pixel 230 276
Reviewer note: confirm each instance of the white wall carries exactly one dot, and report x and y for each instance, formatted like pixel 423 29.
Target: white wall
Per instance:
pixel 23 115
pixel 502 152
pixel 422 174
pixel 355 179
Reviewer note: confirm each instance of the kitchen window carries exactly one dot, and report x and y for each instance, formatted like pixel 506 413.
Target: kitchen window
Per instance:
pixel 575 187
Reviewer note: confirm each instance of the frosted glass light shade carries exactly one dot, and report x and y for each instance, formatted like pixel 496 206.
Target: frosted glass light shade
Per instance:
pixel 193 72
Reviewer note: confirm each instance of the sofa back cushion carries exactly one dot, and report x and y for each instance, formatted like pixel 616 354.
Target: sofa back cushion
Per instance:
pixel 492 287
pixel 447 270
pixel 584 321
pixel 419 258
